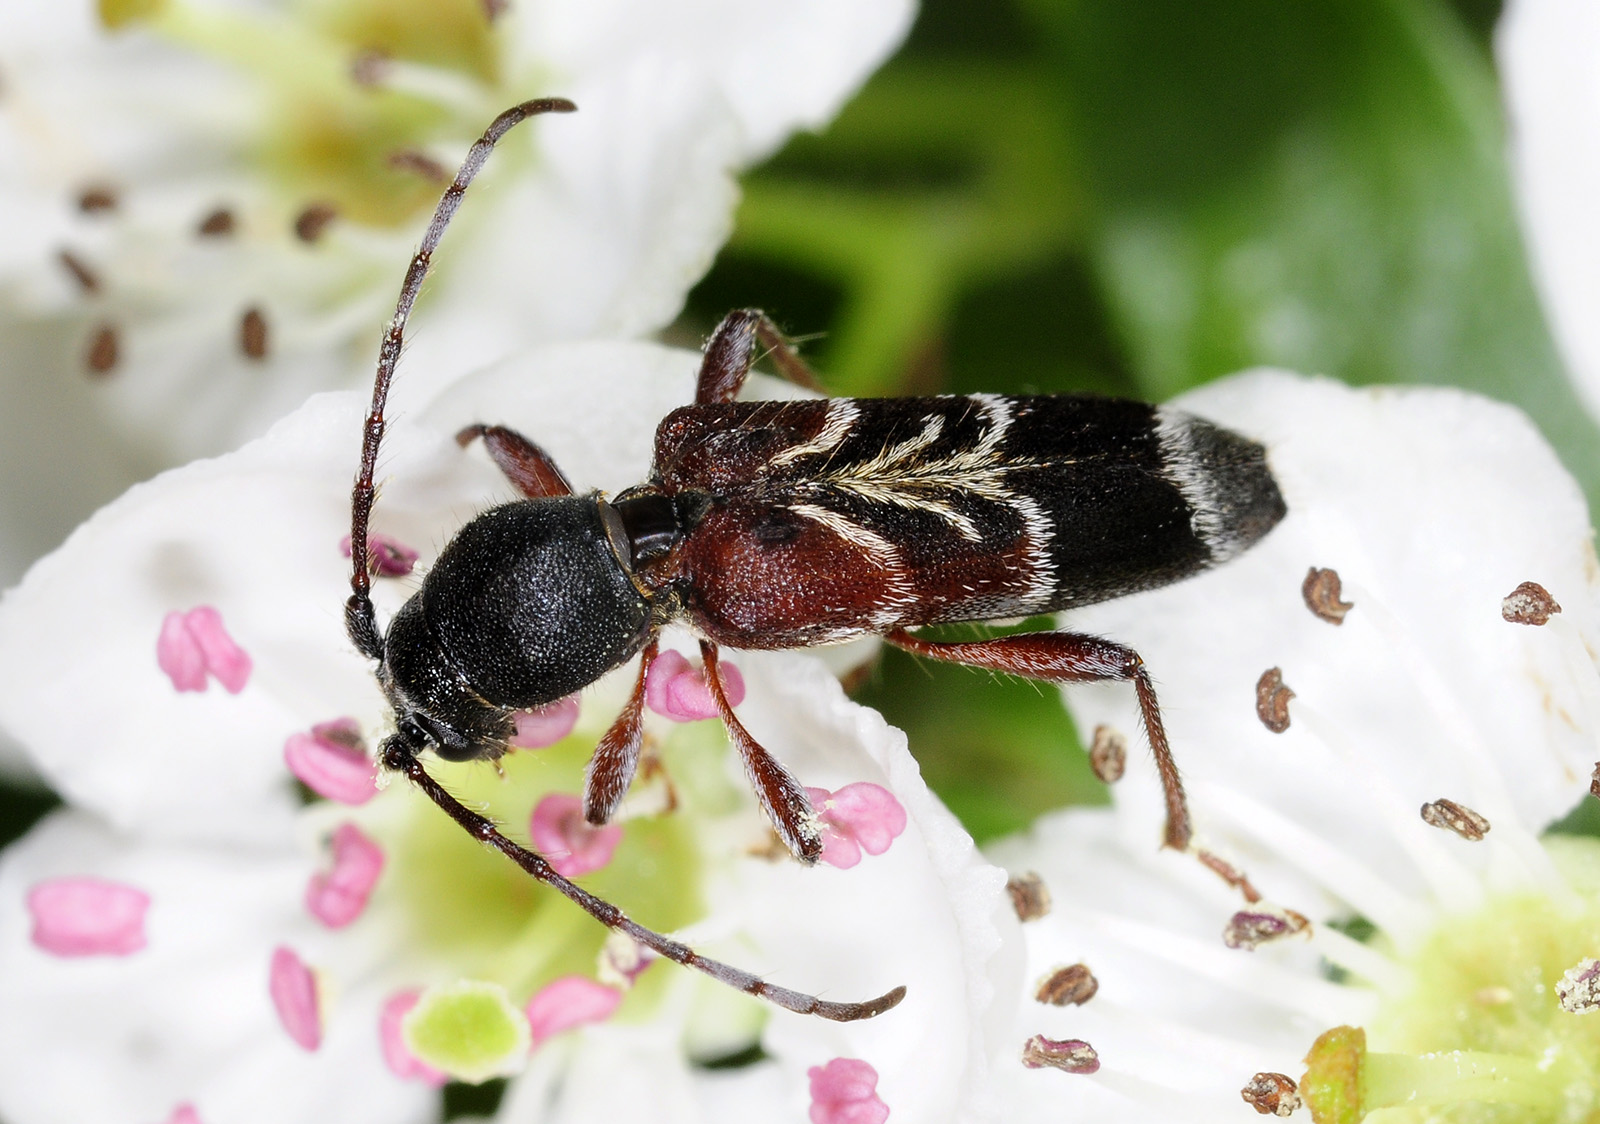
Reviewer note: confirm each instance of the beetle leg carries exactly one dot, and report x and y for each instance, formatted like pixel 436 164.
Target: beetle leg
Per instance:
pixel 527 466
pixel 611 768
pixel 1067 657
pixel 782 797
pixel 400 758
pixel 731 352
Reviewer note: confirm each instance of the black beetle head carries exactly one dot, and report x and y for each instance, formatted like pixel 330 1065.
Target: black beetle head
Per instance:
pixel 530 602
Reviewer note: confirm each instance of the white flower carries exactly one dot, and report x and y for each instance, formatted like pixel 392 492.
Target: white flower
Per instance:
pixel 1549 54
pixel 187 860
pixel 210 204
pixel 1431 506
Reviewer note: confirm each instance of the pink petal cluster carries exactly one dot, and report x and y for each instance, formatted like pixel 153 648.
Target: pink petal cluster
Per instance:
pixel 546 725
pixel 858 817
pixel 568 1002
pixel 845 1092
pixel 573 845
pixel 195 644
pixel 332 761
pixel 87 917
pixel 337 897
pixel 396 1054
pixel 293 987
pixel 677 689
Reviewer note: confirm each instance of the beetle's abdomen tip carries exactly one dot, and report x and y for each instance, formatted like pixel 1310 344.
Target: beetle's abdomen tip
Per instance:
pixel 1226 480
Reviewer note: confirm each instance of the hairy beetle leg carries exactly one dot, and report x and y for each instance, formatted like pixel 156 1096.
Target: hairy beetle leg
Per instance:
pixel 526 465
pixel 782 798
pixel 731 352
pixel 1068 657
pixel 611 768
pixel 399 757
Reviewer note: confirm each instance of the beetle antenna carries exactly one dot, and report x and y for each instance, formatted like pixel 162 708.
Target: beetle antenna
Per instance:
pixel 359 619
pixel 400 757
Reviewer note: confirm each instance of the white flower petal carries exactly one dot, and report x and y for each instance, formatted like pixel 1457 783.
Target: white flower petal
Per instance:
pixel 1432 505
pixel 188 1018
pixel 1549 53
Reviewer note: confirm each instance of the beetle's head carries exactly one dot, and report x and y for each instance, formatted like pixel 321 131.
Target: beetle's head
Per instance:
pixel 529 602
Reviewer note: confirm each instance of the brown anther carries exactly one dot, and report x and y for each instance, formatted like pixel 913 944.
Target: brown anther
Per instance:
pixel 1030 897
pixel 1272 700
pixel 97 200
pixel 1529 603
pixel 1067 987
pixel 1321 591
pixel 86 278
pixel 1249 929
pixel 1071 1055
pixel 411 160
pixel 253 334
pixel 311 222
pixel 218 224
pixel 1229 873
pixel 103 350
pixel 494 9
pixel 1579 987
pixel 1459 818
pixel 1594 781
pixel 1272 1094
pixel 1108 754
pixel 369 68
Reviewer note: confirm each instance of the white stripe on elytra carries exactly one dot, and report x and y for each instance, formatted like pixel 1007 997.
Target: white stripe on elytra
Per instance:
pixel 1198 486
pixel 837 423
pixel 897 591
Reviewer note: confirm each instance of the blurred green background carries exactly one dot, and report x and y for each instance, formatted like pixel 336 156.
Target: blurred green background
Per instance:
pixel 1132 197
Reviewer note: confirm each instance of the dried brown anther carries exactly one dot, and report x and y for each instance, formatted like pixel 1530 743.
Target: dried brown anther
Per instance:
pixel 1249 929
pixel 1272 1094
pixel 86 278
pixel 311 222
pixel 253 334
pixel 1229 873
pixel 1071 1055
pixel 97 200
pixel 1529 603
pixel 369 68
pixel 1579 987
pixel 410 160
pixel 1321 591
pixel 218 224
pixel 1108 754
pixel 1459 818
pixel 1594 781
pixel 103 350
pixel 493 9
pixel 1067 987
pixel 1272 700
pixel 1030 897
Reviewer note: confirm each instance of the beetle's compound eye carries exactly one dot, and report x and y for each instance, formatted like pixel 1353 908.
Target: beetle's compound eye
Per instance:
pixel 424 732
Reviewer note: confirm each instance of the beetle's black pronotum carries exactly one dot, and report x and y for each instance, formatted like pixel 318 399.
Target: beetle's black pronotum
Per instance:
pixel 783 525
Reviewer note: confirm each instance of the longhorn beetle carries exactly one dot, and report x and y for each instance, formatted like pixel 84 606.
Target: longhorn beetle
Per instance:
pixel 784 525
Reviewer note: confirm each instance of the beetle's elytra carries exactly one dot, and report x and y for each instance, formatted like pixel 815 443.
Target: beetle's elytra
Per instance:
pixel 783 525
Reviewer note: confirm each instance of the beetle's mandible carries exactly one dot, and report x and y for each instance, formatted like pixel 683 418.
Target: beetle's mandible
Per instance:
pixel 782 525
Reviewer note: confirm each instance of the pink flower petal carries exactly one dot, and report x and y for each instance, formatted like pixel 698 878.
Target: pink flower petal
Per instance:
pixel 399 1058
pixel 677 689
pixel 387 557
pixel 546 725
pixel 293 987
pixel 568 1002
pixel 332 762
pixel 87 917
pixel 195 643
pixel 338 896
pixel 858 817
pixel 845 1092
pixel 573 845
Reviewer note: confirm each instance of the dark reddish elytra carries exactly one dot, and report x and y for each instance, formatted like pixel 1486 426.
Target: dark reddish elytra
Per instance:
pixel 773 525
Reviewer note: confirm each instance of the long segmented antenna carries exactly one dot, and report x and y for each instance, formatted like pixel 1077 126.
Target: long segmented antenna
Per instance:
pixel 400 757
pixel 396 753
pixel 359 618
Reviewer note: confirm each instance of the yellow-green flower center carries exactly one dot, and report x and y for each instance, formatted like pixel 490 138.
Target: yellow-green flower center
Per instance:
pixel 1481 1037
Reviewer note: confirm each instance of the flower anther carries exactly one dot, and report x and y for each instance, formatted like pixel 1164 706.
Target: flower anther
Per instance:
pixel 196 644
pixel 87 917
pixel 845 1092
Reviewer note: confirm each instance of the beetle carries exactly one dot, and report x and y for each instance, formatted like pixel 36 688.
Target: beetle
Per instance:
pixel 770 525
